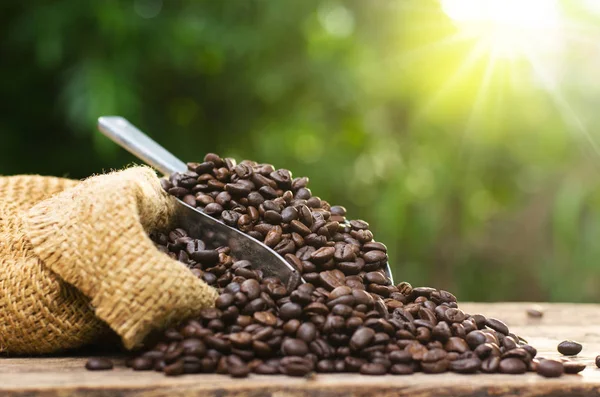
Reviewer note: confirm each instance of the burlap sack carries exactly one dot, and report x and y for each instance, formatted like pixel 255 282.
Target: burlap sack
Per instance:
pixel 79 261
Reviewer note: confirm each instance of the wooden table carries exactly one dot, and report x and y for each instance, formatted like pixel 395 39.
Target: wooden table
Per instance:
pixel 67 377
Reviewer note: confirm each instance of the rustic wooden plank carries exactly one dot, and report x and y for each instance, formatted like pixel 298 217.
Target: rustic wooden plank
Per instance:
pixel 65 376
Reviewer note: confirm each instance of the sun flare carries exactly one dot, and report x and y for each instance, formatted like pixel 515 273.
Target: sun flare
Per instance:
pixel 505 25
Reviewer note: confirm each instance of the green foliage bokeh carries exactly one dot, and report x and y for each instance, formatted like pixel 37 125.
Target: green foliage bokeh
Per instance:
pixel 492 196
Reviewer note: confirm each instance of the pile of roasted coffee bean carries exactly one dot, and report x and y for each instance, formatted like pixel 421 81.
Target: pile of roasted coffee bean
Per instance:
pixel 348 317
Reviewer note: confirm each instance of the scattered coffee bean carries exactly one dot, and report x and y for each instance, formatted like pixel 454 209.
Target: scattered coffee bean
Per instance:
pixel 569 348
pixel 98 364
pixel 535 312
pixel 572 367
pixel 598 361
pixel 550 368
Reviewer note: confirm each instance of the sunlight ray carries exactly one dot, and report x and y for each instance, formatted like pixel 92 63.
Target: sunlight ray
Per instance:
pixel 475 54
pixel 568 115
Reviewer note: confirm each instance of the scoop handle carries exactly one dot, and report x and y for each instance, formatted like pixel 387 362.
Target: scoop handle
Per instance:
pixel 139 144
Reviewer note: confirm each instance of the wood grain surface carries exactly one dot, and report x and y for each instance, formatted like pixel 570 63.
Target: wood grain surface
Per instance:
pixel 66 376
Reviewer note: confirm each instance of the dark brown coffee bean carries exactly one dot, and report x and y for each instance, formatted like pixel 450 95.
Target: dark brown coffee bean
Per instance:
pixel 401 369
pixel 374 256
pixel 265 369
pixel 289 214
pixel 598 361
pixel 193 347
pixel 572 367
pixel 362 298
pixel 99 364
pixel 373 369
pixel 509 343
pixel 299 227
pixel 550 368
pixel 454 315
pixel 512 366
pixel 142 364
pixel 434 355
pixel 490 364
pixel 435 367
pixel 174 369
pixel 465 365
pixel 569 348
pixel 530 349
pixel 441 332
pixel 329 280
pixel 455 344
pixel 326 366
pixel 497 325
pixel 265 318
pixel 297 367
pixel 241 339
pixel 475 338
pixel 307 332
pixel 290 310
pixel 361 338
pixel 294 347
pixel 417 351
pixel 400 357
pixel 534 312
pixel 273 237
pixel 322 255
pixel 239 370
pixel 316 308
pixel 251 288
pixel 224 301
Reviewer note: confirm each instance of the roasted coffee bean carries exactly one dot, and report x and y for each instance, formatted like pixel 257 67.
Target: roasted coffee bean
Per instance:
pixel 550 368
pixel 294 347
pixel 361 338
pixel 99 364
pixel 175 369
pixel 512 366
pixel 598 361
pixel 194 347
pixel 569 348
pixel 490 364
pixel 535 312
pixel 455 344
pixel 465 365
pixel 572 367
pixel 251 288
pixel 435 367
pixel 296 366
pixel 497 325
pixel 239 370
pixel 475 338
pixel 290 310
pixel 142 364
pixel 307 332
pixel 454 315
pixel 417 351
pixel 373 369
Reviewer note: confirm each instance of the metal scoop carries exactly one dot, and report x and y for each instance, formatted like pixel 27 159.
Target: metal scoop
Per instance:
pixel 197 223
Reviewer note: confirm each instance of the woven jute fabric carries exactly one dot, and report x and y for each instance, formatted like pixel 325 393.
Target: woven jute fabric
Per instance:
pixel 76 259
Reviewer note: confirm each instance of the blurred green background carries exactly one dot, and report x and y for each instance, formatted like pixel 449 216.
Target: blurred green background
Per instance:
pixel 466 137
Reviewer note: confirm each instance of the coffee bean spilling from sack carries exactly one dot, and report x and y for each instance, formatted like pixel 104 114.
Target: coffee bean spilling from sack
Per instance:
pixel 346 318
pixel 258 326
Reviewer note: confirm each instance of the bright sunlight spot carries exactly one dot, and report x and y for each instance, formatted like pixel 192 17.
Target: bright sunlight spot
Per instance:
pixel 505 25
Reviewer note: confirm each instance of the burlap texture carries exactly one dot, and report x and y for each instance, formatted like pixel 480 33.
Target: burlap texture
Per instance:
pixel 80 259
